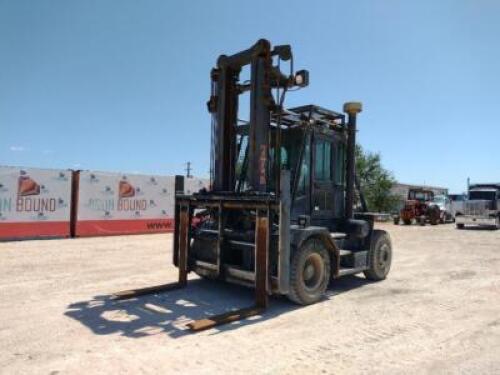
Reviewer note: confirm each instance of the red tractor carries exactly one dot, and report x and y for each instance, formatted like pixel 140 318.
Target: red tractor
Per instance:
pixel 419 207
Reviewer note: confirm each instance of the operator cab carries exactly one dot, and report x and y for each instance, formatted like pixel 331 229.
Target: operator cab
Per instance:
pixel 313 148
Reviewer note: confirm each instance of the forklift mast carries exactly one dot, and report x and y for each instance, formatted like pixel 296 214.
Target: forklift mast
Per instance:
pixel 223 105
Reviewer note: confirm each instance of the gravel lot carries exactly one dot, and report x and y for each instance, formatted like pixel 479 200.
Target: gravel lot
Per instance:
pixel 438 312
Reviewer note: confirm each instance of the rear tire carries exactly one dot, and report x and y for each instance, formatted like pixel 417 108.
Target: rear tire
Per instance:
pixel 407 221
pixel 309 273
pixel 380 256
pixel 460 226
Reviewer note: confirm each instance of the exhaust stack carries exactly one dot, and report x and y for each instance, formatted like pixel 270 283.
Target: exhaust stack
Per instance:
pixel 352 109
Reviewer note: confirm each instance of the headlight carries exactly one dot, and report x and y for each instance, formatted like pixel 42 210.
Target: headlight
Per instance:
pixel 302 78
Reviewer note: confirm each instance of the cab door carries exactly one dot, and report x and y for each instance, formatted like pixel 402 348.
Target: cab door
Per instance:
pixel 323 189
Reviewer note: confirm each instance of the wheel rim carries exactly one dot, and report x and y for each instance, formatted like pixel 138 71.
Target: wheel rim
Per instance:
pixel 384 257
pixel 313 272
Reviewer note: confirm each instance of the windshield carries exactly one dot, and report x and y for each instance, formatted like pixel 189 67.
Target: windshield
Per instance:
pixel 420 195
pixel 487 195
pixel 291 147
pixel 241 162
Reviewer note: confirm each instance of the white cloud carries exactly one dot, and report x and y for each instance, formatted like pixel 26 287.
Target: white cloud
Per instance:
pixel 17 148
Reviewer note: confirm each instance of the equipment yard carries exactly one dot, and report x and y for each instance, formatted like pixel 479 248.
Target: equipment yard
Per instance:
pixel 438 311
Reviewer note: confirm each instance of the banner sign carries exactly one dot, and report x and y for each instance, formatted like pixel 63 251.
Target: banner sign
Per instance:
pixel 111 203
pixel 34 203
pixel 193 184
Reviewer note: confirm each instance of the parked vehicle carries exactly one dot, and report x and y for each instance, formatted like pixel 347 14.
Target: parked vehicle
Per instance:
pixel 445 209
pixel 482 207
pixel 457 203
pixel 419 207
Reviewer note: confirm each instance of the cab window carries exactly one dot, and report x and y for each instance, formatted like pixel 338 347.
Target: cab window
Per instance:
pixel 339 163
pixel 304 172
pixel 323 158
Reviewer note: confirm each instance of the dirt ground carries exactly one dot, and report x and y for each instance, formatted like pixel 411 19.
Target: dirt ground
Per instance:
pixel 438 312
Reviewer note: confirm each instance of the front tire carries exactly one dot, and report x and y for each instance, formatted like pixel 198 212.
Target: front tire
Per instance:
pixel 433 213
pixel 380 256
pixel 309 273
pixel 460 226
pixel 443 219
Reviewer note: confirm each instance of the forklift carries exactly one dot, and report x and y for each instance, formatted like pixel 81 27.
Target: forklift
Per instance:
pixel 279 215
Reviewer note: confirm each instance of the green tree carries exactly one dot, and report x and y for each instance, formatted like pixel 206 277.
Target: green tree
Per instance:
pixel 376 182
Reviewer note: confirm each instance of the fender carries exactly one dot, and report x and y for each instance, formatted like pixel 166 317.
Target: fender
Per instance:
pixel 299 235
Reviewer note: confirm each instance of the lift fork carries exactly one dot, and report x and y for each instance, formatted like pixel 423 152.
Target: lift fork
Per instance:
pixel 262 240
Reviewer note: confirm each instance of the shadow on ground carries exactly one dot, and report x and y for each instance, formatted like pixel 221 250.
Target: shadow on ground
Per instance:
pixel 169 312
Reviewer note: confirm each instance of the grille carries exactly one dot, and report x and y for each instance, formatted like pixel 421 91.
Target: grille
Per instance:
pixel 477 208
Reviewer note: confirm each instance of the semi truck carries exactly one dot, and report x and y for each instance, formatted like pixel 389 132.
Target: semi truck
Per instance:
pixel 482 208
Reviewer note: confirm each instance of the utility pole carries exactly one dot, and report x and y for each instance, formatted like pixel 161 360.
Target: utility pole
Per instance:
pixel 188 169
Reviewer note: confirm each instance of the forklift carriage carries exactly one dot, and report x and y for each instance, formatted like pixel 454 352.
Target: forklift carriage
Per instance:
pixel 279 214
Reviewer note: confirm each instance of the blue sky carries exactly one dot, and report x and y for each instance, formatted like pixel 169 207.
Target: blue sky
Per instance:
pixel 121 85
